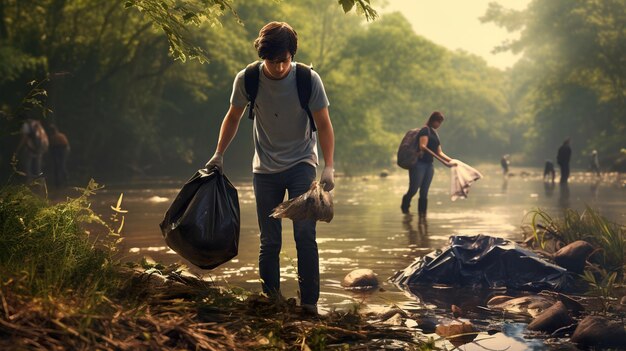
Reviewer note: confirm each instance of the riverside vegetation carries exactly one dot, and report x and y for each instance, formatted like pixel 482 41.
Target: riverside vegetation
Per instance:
pixel 62 286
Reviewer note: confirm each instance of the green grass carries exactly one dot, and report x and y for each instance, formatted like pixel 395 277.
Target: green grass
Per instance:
pixel 588 225
pixel 47 248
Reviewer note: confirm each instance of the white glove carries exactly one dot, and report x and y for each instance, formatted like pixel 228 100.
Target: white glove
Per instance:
pixel 217 161
pixel 328 179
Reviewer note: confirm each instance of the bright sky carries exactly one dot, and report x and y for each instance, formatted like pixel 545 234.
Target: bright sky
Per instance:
pixel 455 25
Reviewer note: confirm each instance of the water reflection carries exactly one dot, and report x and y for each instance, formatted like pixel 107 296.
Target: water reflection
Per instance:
pixel 417 237
pixel 564 195
pixel 548 187
pixel 594 189
pixel 368 231
pixel 505 185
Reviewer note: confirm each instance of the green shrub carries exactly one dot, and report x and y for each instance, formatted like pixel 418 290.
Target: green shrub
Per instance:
pixel 589 226
pixel 47 246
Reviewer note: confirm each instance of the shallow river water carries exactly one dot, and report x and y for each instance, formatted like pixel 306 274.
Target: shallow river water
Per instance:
pixel 369 231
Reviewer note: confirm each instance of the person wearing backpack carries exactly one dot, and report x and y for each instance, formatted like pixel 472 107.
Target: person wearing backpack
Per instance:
pixel 421 172
pixel 31 148
pixel 287 103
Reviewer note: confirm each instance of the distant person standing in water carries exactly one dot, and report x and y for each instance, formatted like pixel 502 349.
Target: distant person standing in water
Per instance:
pixel 594 163
pixel 504 162
pixel 563 157
pixel 421 175
pixel 59 150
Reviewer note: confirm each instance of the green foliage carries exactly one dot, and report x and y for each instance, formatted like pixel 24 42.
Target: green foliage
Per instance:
pixel 122 94
pixel 589 226
pixel 173 17
pixel 572 78
pixel 604 287
pixel 47 247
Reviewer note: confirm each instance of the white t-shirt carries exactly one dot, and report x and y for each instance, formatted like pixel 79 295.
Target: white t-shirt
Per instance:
pixel 281 134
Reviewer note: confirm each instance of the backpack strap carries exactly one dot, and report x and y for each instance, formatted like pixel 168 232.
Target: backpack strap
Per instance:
pixel 304 84
pixel 251 83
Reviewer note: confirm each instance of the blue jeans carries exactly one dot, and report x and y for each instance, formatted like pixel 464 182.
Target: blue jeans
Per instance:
pixel 420 177
pixel 269 190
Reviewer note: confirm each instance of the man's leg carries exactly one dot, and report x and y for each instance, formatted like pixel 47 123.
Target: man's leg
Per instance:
pixel 269 193
pixel 299 179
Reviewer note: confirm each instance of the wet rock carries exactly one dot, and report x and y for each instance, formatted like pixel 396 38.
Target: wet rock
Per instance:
pixel 552 319
pixel 599 331
pixel 362 279
pixel 532 305
pixel 572 305
pixel 449 329
pixel 573 256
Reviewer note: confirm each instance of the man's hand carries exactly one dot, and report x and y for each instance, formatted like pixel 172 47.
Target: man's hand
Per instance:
pixel 328 178
pixel 452 163
pixel 217 161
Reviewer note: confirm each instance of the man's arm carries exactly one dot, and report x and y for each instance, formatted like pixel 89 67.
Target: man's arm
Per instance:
pixel 229 127
pixel 326 137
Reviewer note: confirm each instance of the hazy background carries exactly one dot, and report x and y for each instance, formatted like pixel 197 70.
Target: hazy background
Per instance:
pixel 130 111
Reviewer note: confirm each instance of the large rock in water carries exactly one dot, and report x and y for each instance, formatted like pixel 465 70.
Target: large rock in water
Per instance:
pixel 552 319
pixel 573 256
pixel 599 332
pixel 449 329
pixel 533 305
pixel 361 279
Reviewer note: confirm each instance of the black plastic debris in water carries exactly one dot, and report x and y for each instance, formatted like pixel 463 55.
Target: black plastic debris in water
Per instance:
pixel 484 261
pixel 202 224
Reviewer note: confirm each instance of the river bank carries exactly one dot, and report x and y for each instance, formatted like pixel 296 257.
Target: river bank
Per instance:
pixel 92 294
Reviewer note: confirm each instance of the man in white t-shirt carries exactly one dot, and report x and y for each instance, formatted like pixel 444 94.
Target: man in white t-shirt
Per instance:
pixel 285 156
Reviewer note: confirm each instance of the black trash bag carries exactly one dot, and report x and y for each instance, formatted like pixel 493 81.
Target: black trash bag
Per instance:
pixel 202 224
pixel 484 261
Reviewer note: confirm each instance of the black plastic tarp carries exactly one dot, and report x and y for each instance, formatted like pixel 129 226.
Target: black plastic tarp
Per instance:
pixel 202 224
pixel 484 261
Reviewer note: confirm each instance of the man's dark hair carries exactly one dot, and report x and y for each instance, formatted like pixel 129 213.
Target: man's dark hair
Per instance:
pixel 435 117
pixel 276 38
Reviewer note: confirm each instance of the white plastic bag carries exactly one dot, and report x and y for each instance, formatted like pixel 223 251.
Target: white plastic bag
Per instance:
pixel 461 178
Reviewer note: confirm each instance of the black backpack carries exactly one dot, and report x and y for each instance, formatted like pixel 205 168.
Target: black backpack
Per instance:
pixel 303 82
pixel 408 151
